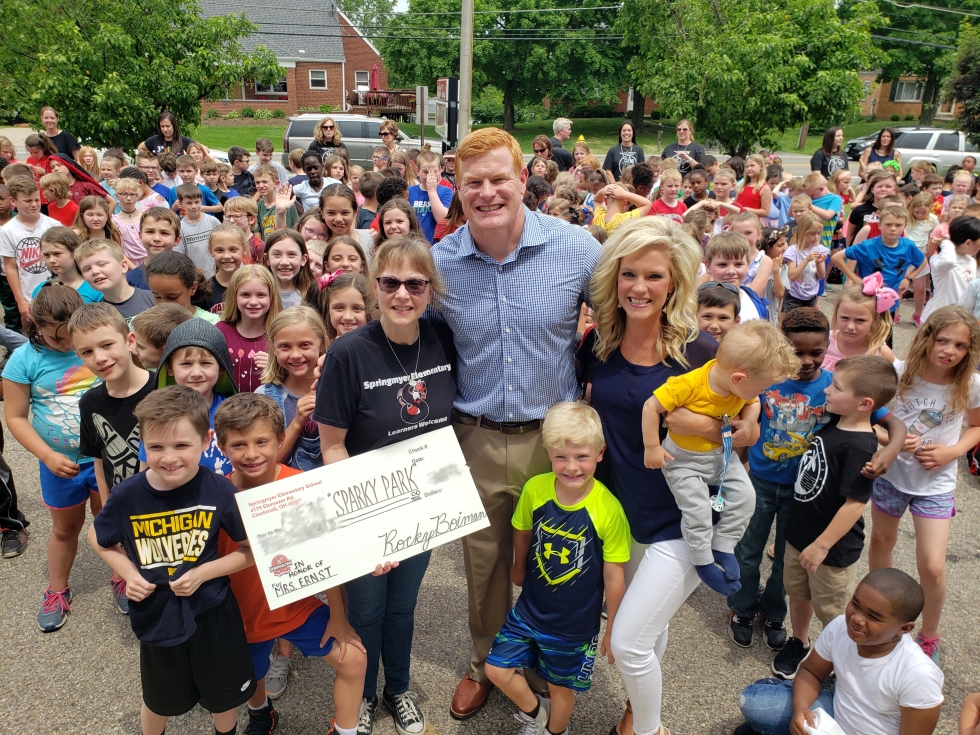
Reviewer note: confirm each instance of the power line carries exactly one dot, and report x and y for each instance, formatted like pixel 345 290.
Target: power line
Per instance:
pixel 915 43
pixel 445 28
pixel 448 37
pixel 909 6
pixel 321 11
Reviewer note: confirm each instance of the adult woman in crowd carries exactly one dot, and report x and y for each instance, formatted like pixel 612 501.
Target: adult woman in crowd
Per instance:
pixel 625 153
pixel 685 150
pixel 63 141
pixel 167 138
pixel 829 157
pixel 880 184
pixel 882 150
pixel 326 138
pixel 644 301
pixel 361 408
pixel 389 135
pixel 542 148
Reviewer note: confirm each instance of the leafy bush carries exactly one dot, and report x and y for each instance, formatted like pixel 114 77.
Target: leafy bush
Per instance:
pixel 324 109
pixel 488 107
pixel 599 110
pixel 213 114
pixel 530 114
pixel 279 114
pixel 895 118
pixel 248 111
pixel 232 115
pixel 263 114
pixel 871 118
pixel 909 118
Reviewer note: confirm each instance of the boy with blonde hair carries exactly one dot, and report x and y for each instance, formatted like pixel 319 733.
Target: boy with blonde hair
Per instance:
pixel 612 207
pixel 726 258
pixel 187 170
pixel 104 266
pixel 668 204
pixel 823 203
pixel 20 243
pixel 152 329
pixel 264 150
pixel 242 211
pixel 750 358
pixel 276 208
pixel 55 188
pixel 562 516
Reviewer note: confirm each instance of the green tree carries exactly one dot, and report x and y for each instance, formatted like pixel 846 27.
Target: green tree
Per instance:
pixel 964 83
pixel 110 66
pixel 745 70
pixel 371 17
pixel 564 56
pixel 910 38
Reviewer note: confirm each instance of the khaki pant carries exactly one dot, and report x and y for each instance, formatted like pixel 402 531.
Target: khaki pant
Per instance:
pixel 500 465
pixel 829 589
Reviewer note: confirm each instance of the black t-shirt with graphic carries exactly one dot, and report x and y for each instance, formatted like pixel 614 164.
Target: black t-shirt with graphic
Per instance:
pixel 861 215
pixel 110 432
pixel 829 475
pixel 166 533
pixel 619 157
pixel 364 389
pixel 694 150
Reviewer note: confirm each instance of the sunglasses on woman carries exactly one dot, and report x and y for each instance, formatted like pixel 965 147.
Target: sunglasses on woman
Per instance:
pixel 415 286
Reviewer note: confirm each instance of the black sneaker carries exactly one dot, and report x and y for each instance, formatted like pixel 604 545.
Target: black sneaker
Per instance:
pixel 409 719
pixel 746 729
pixel 788 660
pixel 740 630
pixel 262 721
pixel 774 634
pixel 14 543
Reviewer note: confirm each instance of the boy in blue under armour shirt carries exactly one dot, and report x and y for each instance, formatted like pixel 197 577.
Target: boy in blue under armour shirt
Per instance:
pixel 573 534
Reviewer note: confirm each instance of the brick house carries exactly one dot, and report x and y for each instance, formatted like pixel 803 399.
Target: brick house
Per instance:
pixel 322 55
pixel 901 97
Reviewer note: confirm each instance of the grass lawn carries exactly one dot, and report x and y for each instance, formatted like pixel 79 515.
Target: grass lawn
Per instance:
pixel 600 133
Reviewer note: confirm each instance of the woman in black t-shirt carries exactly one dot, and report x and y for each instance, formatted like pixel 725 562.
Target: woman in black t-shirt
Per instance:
pixel 326 139
pixel 390 380
pixel 829 157
pixel 167 138
pixel 62 140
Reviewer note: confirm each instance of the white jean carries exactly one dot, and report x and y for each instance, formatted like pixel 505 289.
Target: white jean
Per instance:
pixel 660 577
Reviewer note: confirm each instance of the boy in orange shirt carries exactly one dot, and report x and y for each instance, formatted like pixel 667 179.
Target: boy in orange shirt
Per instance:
pixel 250 430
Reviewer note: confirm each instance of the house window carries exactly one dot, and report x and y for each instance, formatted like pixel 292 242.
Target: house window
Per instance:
pixel 362 81
pixel 908 91
pixel 866 89
pixel 266 89
pixel 318 79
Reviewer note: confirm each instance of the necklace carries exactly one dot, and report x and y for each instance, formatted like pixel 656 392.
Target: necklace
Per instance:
pixel 417 357
pixel 631 358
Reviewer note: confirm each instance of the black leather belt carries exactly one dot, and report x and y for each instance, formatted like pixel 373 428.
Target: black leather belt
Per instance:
pixel 503 428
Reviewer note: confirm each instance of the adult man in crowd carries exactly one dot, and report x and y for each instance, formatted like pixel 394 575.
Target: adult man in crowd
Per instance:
pixel 562 128
pixel 685 150
pixel 515 359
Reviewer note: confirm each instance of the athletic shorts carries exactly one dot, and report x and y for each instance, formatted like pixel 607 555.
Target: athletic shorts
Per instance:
pixel 61 493
pixel 889 499
pixel 791 302
pixel 211 668
pixel 306 638
pixel 562 662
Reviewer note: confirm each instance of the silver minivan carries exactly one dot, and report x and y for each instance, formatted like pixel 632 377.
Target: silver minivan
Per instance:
pixel 360 133
pixel 941 147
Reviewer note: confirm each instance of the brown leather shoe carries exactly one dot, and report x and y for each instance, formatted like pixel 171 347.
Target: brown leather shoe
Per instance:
pixel 469 698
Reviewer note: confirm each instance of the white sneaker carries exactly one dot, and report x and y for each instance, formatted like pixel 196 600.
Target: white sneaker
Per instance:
pixel 275 679
pixel 535 725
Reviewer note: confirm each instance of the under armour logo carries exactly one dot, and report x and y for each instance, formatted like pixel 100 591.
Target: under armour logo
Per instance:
pixel 562 555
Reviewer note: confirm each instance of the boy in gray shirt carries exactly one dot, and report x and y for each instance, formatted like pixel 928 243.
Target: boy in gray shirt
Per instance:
pixel 195 229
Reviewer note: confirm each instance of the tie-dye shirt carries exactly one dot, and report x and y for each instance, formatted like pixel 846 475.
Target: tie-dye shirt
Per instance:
pixel 57 380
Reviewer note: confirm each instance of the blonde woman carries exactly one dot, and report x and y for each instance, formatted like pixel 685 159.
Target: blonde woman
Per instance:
pixel 326 138
pixel 644 301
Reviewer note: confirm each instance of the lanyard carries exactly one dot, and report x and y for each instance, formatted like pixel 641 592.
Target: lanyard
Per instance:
pixel 718 501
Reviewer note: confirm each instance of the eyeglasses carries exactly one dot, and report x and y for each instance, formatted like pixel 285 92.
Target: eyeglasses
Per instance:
pixel 725 285
pixel 539 151
pixel 382 159
pixel 236 217
pixel 415 286
pixel 385 134
pixel 326 127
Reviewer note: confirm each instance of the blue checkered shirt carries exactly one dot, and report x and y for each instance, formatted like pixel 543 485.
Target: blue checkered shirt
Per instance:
pixel 514 323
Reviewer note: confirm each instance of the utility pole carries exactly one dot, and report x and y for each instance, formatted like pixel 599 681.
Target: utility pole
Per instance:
pixel 465 70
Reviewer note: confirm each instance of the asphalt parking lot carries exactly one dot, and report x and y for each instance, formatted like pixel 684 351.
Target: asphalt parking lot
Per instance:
pixel 85 677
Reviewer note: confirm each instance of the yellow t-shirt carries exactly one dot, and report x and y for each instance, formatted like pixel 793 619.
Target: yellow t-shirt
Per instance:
pixel 599 218
pixel 691 391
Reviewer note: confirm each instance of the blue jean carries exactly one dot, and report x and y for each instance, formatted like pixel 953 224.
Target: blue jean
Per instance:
pixel 767 705
pixel 772 501
pixel 382 612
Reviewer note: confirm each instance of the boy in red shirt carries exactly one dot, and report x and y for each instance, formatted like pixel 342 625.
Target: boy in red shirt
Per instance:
pixel 54 188
pixel 668 205
pixel 250 431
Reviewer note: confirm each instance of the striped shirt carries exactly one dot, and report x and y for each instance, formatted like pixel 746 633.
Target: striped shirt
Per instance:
pixel 514 323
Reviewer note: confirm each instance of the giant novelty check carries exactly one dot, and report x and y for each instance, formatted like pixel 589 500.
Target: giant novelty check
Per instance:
pixel 313 531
